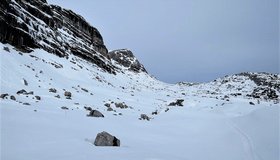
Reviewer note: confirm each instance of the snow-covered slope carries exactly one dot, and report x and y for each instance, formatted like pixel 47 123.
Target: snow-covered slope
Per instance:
pixel 212 126
pixel 55 68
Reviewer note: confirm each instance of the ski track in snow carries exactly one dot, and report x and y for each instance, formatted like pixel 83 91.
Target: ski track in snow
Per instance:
pixel 247 142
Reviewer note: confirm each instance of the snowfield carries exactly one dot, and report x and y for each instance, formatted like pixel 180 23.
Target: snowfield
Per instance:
pixel 207 127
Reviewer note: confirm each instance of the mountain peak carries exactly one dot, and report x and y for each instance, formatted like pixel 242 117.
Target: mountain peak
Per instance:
pixel 126 58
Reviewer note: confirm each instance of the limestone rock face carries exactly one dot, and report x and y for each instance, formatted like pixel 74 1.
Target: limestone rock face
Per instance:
pixel 30 24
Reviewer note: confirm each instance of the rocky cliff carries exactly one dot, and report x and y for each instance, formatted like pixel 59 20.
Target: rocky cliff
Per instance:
pixel 30 24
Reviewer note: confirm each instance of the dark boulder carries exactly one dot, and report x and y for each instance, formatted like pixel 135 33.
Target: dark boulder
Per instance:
pixel 12 97
pixel 53 90
pixel 121 105
pixel 64 108
pixel 106 139
pixel 25 82
pixel 144 117
pixel 38 98
pixel 110 109
pixel 95 113
pixel 88 108
pixel 67 94
pixel 22 91
pixel 4 95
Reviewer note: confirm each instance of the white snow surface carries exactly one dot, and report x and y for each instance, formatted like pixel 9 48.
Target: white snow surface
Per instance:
pixel 205 128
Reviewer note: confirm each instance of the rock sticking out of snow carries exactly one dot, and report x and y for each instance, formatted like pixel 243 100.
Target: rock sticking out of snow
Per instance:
pixel 95 113
pixel 144 117
pixel 179 102
pixel 106 139
pixel 121 105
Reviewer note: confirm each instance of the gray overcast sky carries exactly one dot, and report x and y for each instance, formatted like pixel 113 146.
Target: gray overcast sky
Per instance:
pixel 189 40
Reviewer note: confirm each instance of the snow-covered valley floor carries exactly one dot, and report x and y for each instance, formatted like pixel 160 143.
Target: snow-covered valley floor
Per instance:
pixel 207 127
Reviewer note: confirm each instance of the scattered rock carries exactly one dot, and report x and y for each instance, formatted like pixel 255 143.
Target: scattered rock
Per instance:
pixel 107 105
pixel 155 112
pixel 53 90
pixel 121 105
pixel 144 117
pixel 95 113
pixel 4 95
pixel 38 98
pixel 106 139
pixel 26 104
pixel 12 97
pixel 88 108
pixel 31 93
pixel 179 102
pixel 67 94
pixel 65 108
pixel 167 109
pixel 57 96
pixel 6 49
pixel 25 82
pixel 84 89
pixel 22 91
pixel 109 109
pixel 251 103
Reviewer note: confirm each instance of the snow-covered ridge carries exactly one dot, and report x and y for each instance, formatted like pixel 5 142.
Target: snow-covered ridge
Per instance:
pixel 262 86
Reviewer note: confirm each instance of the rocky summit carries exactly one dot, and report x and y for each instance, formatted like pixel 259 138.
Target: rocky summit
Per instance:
pixel 125 58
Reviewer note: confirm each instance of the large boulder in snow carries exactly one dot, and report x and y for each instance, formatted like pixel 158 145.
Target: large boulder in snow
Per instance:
pixel 106 139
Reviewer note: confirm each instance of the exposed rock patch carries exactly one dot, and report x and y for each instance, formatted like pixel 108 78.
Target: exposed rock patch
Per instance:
pixel 179 102
pixel 126 58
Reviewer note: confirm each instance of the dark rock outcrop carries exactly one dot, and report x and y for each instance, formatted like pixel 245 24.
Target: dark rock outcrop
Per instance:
pixel 106 139
pixel 125 58
pixel 29 24
pixel 179 102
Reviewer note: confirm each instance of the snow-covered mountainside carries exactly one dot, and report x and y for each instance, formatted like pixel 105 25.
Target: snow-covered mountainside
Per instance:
pixel 49 102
